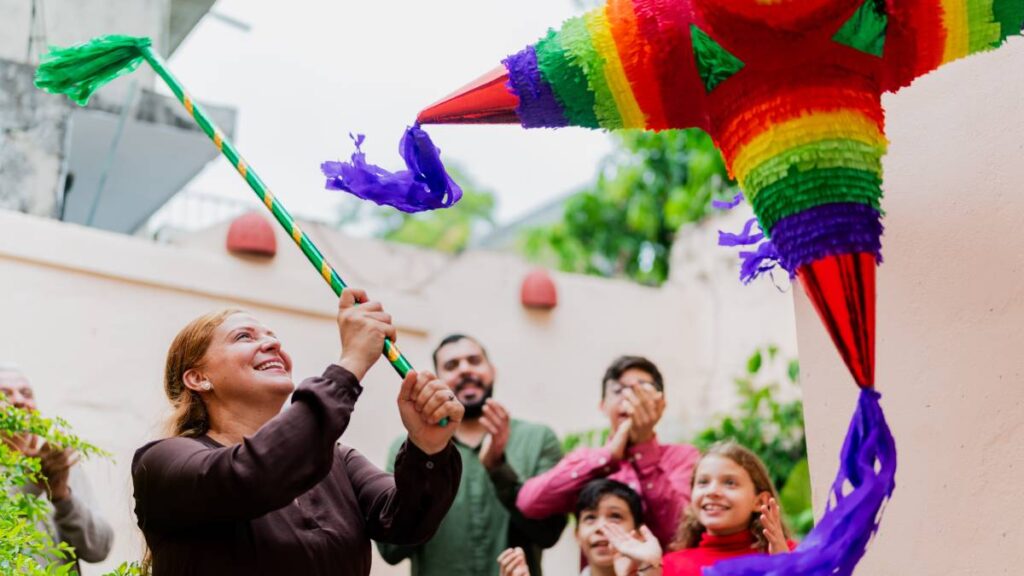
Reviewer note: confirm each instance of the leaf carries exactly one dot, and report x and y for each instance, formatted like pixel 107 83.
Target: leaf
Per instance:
pixel 795 497
pixel 754 363
pixel 794 371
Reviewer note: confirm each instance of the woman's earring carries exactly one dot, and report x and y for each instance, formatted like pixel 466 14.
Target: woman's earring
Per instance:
pixel 207 386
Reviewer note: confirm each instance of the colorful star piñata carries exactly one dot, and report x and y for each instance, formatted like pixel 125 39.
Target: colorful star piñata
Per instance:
pixel 790 90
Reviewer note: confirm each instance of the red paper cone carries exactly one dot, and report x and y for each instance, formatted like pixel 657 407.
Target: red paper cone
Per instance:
pixel 486 100
pixel 842 289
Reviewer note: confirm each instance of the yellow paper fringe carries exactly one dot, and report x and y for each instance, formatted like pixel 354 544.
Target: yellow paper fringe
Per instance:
pixel 809 129
pixel 615 74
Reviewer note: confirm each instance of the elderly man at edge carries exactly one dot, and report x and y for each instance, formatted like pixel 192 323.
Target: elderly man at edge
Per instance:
pixel 73 521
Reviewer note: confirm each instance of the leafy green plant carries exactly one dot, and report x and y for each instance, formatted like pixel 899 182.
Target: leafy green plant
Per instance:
pixel 127 569
pixel 773 429
pixel 588 438
pixel 625 224
pixel 25 548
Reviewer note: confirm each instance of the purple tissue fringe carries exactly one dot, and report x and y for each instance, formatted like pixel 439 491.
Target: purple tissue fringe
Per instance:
pixel 827 230
pixel 424 185
pixel 723 205
pixel 753 264
pixel 538 107
pixel 745 238
pixel 761 261
pixel 841 536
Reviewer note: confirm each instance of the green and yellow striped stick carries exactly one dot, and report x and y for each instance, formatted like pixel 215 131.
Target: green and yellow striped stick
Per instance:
pixel 81 70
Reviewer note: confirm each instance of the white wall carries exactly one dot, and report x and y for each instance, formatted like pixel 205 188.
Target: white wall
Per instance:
pixel 950 327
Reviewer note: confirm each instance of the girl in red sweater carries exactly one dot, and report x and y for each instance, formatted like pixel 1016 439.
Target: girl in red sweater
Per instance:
pixel 734 511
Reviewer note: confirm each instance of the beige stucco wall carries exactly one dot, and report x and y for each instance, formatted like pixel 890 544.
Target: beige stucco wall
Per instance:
pixel 89 316
pixel 950 327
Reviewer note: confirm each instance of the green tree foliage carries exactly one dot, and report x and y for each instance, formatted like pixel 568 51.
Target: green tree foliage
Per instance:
pixel 773 429
pixel 625 224
pixel 587 438
pixel 447 230
pixel 26 549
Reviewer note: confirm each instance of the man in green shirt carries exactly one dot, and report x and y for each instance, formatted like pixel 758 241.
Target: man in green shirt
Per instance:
pixel 499 453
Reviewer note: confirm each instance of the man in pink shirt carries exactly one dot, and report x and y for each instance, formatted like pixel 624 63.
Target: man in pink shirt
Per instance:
pixel 632 399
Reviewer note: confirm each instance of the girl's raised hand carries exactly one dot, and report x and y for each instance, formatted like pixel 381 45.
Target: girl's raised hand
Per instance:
pixel 771 520
pixel 635 553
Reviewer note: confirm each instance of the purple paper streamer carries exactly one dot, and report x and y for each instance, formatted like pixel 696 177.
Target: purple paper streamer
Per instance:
pixel 723 205
pixel 424 185
pixel 745 238
pixel 538 107
pixel 754 264
pixel 840 538
pixel 827 230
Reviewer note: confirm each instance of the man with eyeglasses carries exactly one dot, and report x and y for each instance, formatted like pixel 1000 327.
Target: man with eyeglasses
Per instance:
pixel 632 397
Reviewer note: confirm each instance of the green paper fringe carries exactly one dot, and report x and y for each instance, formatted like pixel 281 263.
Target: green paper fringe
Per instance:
pixel 580 51
pixel 715 64
pixel 1010 15
pixel 801 191
pixel 865 30
pixel 984 32
pixel 568 82
pixel 80 70
pixel 837 153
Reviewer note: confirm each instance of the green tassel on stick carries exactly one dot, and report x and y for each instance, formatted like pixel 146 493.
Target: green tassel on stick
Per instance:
pixel 81 70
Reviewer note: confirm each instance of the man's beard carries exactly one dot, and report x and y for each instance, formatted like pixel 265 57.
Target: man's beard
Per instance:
pixel 475 409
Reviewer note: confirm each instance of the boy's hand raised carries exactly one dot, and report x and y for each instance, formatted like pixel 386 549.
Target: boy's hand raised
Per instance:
pixel 620 439
pixel 634 551
pixel 645 406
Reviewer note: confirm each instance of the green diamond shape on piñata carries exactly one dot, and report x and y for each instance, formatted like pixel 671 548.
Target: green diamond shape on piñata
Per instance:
pixel 714 63
pixel 865 30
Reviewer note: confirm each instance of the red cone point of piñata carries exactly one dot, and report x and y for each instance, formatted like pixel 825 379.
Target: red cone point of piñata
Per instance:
pixel 842 289
pixel 486 100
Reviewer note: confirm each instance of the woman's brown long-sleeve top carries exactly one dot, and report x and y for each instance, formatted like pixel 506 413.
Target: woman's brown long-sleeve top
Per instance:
pixel 287 500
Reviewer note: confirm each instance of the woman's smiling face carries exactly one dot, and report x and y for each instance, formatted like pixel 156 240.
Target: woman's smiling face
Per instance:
pixel 245 362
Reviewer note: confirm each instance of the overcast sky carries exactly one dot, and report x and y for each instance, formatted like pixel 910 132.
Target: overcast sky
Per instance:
pixel 311 71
